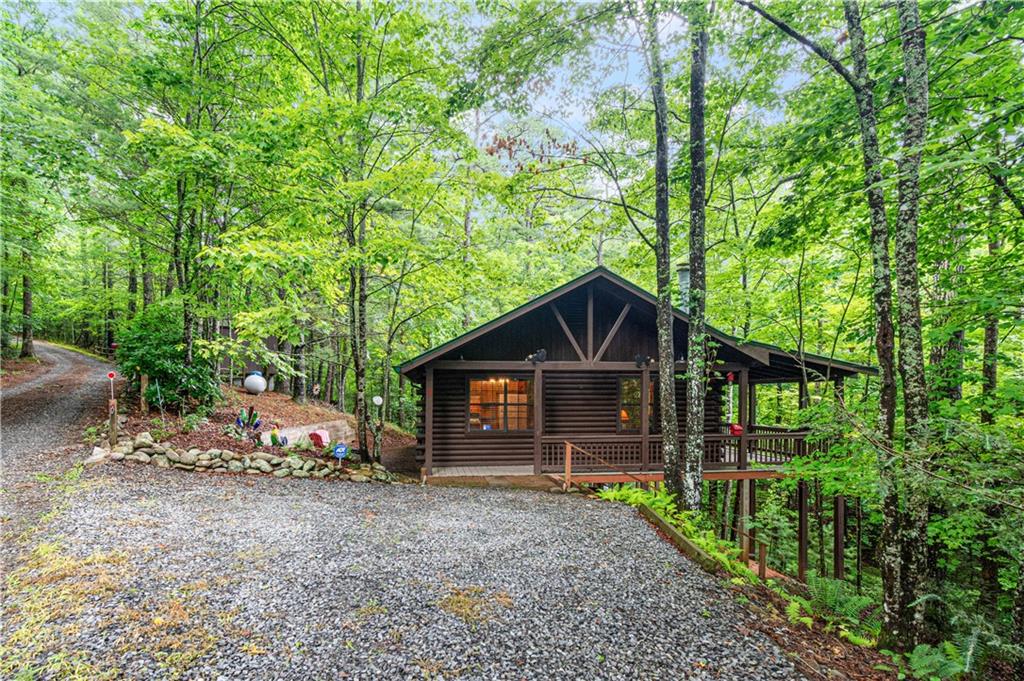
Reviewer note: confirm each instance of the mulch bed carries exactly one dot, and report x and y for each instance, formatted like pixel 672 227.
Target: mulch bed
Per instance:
pixel 816 653
pixel 17 371
pixel 273 408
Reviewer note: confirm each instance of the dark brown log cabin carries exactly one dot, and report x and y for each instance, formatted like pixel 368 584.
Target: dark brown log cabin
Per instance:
pixel 572 365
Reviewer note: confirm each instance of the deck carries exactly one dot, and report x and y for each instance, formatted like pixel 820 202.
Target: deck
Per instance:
pixel 631 458
pixel 761 447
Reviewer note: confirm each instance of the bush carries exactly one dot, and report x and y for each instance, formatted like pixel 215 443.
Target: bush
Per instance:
pixel 151 343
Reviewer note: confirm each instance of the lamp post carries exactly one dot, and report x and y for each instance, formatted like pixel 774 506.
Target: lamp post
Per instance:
pixel 377 427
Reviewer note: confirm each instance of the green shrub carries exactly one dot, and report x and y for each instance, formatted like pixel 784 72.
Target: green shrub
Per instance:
pixel 151 344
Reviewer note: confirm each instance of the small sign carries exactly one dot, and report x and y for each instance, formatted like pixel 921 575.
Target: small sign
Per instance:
pixel 340 451
pixel 111 375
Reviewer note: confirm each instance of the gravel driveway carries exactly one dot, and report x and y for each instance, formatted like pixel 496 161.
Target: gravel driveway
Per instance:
pixel 244 577
pixel 49 410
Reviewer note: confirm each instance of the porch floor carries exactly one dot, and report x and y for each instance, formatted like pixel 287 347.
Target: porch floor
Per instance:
pixel 479 471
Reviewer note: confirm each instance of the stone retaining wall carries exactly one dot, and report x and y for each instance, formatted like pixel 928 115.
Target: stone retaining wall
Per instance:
pixel 143 449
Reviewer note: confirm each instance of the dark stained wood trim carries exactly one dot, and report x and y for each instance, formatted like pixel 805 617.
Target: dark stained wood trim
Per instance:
pixel 611 334
pixel 522 366
pixel 568 333
pixel 759 352
pixel 538 416
pixel 590 322
pixel 428 422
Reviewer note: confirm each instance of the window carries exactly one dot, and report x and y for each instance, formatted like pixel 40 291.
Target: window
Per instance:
pixel 500 403
pixel 629 405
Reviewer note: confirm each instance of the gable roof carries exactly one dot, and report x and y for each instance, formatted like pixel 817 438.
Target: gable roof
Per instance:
pixel 759 352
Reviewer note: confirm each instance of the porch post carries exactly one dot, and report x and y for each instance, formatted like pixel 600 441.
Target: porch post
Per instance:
pixel 538 416
pixel 744 441
pixel 752 408
pixel 645 420
pixel 744 398
pixel 428 422
pixel 839 537
pixel 801 530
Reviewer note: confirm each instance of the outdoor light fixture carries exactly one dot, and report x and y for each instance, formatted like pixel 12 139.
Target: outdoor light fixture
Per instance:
pixel 642 361
pixel 378 400
pixel 539 356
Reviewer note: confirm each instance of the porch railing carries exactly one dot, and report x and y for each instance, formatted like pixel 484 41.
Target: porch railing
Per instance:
pixel 721 451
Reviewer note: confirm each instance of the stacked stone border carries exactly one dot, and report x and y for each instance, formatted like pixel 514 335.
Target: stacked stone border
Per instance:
pixel 143 449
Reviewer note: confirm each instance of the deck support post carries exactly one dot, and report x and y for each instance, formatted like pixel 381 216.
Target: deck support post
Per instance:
pixel 839 537
pixel 801 531
pixel 645 420
pixel 428 422
pixel 742 522
pixel 753 512
pixel 567 482
pixel 538 417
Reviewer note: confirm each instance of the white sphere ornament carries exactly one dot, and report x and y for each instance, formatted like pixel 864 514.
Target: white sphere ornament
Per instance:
pixel 254 383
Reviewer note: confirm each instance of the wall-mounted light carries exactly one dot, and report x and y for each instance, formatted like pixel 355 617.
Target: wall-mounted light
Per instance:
pixel 537 357
pixel 642 361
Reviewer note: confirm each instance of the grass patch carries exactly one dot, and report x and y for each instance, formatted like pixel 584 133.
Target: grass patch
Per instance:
pixel 49 589
pixel 473 604
pixel 369 610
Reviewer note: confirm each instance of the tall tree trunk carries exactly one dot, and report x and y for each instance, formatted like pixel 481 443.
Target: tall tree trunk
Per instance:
pixel 697 355
pixel 990 347
pixel 665 316
pixel 108 302
pixel 299 386
pixel 147 276
pixel 905 629
pixel 1017 635
pixel 27 347
pixel 863 89
pixel 133 289
pixel 5 291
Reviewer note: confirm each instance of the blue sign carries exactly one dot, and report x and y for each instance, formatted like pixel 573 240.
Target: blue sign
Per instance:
pixel 340 451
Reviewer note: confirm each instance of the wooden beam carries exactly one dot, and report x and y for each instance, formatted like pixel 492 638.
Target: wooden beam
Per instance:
pixel 801 530
pixel 538 416
pixel 590 322
pixel 611 334
pixel 525 367
pixel 568 333
pixel 839 537
pixel 428 422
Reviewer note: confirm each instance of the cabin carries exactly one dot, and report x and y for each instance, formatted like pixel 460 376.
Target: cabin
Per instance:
pixel 576 370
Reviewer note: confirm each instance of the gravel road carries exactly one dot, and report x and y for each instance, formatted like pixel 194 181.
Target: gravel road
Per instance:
pixel 244 577
pixel 49 410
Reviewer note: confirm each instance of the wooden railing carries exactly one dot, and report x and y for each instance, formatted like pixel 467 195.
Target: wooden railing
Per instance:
pixel 721 451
